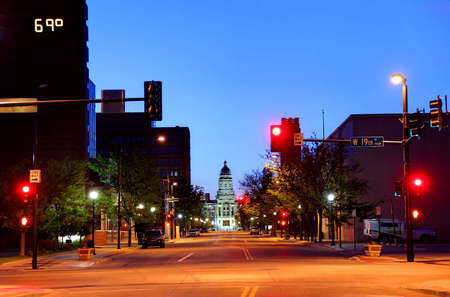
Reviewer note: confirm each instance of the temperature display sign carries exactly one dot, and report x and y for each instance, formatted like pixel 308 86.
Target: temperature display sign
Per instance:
pixel 41 25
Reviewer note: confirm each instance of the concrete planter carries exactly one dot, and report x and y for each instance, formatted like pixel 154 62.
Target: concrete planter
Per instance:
pixel 372 250
pixel 85 253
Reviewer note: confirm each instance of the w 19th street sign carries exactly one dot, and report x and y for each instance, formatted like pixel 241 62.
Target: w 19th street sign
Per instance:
pixel 367 141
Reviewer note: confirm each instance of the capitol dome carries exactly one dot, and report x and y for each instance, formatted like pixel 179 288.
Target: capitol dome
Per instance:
pixel 225 170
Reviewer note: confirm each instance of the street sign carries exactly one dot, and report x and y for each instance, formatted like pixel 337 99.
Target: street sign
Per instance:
pixel 367 141
pixel 298 139
pixel 35 176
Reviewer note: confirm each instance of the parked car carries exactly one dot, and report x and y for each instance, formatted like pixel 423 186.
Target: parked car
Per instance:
pixel 152 238
pixel 386 230
pixel 254 231
pixel 194 233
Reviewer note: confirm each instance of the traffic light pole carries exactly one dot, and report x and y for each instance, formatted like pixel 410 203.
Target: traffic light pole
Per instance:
pixel 36 197
pixel 406 190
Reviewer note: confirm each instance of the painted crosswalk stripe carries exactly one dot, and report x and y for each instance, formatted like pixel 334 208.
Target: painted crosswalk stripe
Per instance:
pixel 252 293
pixel 185 257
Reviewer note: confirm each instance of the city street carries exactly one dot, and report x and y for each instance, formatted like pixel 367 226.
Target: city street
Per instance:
pixel 232 264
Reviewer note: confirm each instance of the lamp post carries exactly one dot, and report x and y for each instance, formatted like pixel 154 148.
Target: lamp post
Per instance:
pixel 93 195
pixel 330 199
pixel 400 79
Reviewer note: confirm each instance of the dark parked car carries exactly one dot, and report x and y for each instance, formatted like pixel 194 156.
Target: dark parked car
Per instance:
pixel 153 237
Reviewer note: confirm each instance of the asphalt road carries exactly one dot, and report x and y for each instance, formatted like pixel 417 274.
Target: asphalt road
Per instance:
pixel 234 265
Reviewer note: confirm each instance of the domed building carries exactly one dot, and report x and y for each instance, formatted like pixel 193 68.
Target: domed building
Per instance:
pixel 225 206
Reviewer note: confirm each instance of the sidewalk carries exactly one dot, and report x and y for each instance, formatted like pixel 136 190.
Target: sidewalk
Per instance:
pixel 66 260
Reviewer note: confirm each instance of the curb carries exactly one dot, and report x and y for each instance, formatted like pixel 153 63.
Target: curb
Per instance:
pixel 431 292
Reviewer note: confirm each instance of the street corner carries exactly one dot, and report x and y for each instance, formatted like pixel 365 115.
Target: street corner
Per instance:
pixel 380 259
pixel 23 291
pixel 434 287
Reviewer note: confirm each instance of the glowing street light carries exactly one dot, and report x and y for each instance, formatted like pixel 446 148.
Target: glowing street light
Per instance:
pixel 397 79
pixel 161 138
pixel 331 197
pixel 180 216
pixel 400 79
pixel 140 206
pixel 152 209
pixel 93 195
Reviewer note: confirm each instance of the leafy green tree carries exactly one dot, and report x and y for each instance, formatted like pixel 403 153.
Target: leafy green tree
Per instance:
pixel 134 176
pixel 62 197
pixel 190 203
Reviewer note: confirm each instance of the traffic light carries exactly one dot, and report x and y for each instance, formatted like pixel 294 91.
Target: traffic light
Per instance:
pixel 417 185
pixel 398 188
pixel 25 191
pixel 415 214
pixel 241 198
pixel 415 124
pixel 25 221
pixel 284 214
pixel 283 223
pixel 437 119
pixel 153 100
pixel 276 138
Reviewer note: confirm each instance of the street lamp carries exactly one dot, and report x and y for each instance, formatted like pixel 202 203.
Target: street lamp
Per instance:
pixel 152 209
pixel 180 216
pixel 93 195
pixel 330 199
pixel 140 206
pixel 400 79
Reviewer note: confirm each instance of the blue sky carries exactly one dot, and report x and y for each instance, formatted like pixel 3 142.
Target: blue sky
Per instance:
pixel 232 68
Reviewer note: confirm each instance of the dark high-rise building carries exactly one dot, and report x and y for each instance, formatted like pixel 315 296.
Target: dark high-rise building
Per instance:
pixel 169 147
pixel 44 55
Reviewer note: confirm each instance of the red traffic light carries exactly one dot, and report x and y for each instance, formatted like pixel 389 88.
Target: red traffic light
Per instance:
pixel 418 182
pixel 284 214
pixel 276 138
pixel 24 221
pixel 283 223
pixel 241 198
pixel 415 214
pixel 26 189
pixel 276 131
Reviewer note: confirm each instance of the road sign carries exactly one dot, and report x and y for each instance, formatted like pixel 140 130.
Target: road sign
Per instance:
pixel 367 141
pixel 298 139
pixel 35 176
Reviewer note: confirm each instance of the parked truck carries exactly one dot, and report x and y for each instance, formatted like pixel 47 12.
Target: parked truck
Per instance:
pixel 387 230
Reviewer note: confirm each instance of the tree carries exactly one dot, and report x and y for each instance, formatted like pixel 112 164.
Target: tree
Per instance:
pixel 64 206
pixel 190 203
pixel 133 175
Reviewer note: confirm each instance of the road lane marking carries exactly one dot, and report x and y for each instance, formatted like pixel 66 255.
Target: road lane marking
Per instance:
pixel 185 257
pixel 253 292
pixel 247 254
pixel 244 293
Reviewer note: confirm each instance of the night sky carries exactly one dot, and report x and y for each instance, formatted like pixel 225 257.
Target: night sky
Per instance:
pixel 231 68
